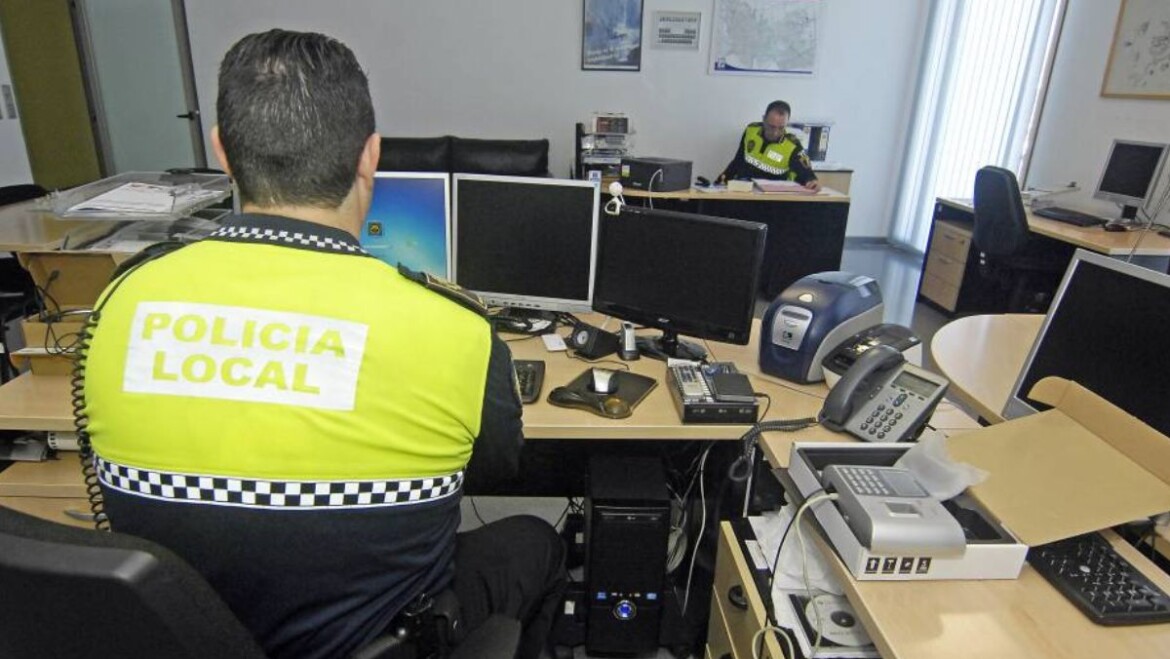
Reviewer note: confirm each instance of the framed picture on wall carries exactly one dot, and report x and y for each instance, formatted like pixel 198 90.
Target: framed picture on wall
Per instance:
pixel 611 37
pixel 1139 59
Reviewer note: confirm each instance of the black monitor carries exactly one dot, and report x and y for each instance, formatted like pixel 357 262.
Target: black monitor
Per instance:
pixel 524 242
pixel 1106 330
pixel 1131 173
pixel 681 273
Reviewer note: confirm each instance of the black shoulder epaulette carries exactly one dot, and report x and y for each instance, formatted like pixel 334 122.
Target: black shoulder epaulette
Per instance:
pixel 447 289
pixel 794 139
pixel 148 253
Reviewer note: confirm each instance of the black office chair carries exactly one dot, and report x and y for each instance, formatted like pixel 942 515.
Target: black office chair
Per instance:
pixel 17 292
pixel 1025 267
pixel 67 593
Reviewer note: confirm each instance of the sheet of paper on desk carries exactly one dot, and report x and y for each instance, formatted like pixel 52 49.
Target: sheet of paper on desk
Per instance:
pixel 711 188
pixel 769 529
pixel 770 186
pixel 142 198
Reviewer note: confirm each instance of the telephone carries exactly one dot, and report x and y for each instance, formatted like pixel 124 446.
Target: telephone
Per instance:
pixel 881 398
pixel 891 513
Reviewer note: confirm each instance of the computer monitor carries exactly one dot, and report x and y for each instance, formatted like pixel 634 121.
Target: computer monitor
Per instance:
pixel 409 221
pixel 1131 173
pixel 1106 330
pixel 681 273
pixel 526 242
pixel 814 137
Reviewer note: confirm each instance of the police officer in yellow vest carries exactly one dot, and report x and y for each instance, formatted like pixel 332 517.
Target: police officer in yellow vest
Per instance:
pixel 767 150
pixel 296 418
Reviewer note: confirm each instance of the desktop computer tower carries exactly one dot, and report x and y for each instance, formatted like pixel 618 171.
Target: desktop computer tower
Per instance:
pixel 627 517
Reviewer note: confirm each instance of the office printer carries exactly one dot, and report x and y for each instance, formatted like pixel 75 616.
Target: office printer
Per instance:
pixel 812 317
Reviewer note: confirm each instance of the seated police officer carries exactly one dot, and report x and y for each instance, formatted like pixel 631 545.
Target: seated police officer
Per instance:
pixel 295 417
pixel 768 150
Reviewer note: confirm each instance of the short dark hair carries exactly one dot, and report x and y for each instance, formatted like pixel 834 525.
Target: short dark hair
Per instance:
pixel 778 106
pixel 294 114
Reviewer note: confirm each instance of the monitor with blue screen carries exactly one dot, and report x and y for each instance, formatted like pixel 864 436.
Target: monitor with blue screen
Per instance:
pixel 409 221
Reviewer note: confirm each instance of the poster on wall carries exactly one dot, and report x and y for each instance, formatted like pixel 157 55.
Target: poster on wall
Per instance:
pixel 676 30
pixel 612 36
pixel 764 37
pixel 1139 59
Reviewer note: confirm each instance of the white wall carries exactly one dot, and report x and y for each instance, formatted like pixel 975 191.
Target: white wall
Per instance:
pixel 14 167
pixel 1078 124
pixel 511 69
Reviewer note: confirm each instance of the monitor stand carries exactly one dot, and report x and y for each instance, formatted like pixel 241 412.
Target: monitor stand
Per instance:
pixel 670 346
pixel 1128 213
pixel 529 321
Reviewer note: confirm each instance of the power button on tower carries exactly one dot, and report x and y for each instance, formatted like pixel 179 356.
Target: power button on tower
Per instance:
pixel 625 610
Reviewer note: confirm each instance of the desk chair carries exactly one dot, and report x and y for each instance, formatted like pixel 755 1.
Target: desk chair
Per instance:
pixel 17 293
pixel 1022 265
pixel 67 593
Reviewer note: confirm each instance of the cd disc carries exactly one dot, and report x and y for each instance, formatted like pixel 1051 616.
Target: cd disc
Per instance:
pixel 838 622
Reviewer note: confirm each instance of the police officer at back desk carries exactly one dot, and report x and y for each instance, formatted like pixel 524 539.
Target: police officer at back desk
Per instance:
pixel 295 418
pixel 768 150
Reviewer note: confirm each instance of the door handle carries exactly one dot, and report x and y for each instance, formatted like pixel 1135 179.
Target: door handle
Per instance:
pixel 189 116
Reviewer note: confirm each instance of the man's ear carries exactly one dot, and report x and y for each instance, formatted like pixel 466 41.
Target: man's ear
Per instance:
pixel 220 154
pixel 371 152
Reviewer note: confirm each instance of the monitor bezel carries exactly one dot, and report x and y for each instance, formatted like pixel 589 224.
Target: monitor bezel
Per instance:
pixel 1017 405
pixel 1126 200
pixel 649 318
pixel 519 301
pixel 447 226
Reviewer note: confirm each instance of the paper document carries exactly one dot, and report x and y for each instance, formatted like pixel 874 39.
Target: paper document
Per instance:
pixel 711 188
pixel 770 186
pixel 142 198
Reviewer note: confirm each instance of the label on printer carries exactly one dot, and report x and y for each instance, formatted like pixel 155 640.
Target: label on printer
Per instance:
pixel 789 330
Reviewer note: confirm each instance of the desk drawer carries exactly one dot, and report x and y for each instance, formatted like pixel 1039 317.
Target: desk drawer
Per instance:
pixel 718 636
pixel 50 508
pixel 731 570
pixel 945 268
pixel 942 293
pixel 951 240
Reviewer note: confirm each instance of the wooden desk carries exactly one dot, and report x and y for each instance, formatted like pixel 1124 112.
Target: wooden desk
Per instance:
pixel 30 227
pixel 950 276
pixel 983 355
pixel 806 233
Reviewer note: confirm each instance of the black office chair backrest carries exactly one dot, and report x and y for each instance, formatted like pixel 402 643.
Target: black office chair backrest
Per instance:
pixel 68 592
pixel 10 194
pixel 1001 227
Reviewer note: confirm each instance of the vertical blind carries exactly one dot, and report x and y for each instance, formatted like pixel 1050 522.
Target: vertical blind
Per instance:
pixel 977 96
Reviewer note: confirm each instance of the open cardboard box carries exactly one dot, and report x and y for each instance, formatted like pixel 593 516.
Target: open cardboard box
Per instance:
pixel 1082 466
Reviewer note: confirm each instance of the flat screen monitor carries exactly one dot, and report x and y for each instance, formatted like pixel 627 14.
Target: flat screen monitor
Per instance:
pixel 409 221
pixel 681 273
pixel 1131 173
pixel 526 242
pixel 1106 330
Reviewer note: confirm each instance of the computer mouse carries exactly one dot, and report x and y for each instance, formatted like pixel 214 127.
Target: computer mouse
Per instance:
pixel 604 380
pixel 1115 226
pixel 615 408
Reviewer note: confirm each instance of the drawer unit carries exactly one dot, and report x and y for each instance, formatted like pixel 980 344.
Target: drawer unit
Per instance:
pixel 942 293
pixel 952 240
pixel 737 600
pixel 945 268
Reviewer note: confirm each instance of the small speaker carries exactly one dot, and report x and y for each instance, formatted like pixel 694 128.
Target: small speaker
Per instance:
pixel 592 342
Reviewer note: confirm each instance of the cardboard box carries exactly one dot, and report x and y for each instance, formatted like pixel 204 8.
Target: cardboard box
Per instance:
pixel 71 281
pixel 1082 466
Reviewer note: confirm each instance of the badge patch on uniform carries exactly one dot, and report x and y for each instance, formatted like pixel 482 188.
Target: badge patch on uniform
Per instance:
pixel 804 161
pixel 244 354
pixel 751 145
pixel 374 228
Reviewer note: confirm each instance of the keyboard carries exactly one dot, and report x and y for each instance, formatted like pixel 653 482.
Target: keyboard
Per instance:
pixel 1104 586
pixel 530 375
pixel 1069 216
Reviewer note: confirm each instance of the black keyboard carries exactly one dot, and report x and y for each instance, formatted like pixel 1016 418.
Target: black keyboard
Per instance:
pixel 530 375
pixel 1104 586
pixel 1069 216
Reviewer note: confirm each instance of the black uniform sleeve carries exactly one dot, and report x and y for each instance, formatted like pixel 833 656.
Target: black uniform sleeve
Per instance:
pixel 737 165
pixel 495 457
pixel 800 165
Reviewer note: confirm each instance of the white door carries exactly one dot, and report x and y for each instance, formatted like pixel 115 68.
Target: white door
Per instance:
pixel 138 67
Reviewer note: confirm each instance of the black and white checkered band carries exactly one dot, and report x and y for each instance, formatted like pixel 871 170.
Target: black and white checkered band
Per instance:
pixel 283 495
pixel 253 234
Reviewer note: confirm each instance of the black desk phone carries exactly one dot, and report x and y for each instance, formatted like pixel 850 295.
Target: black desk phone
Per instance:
pixel 881 398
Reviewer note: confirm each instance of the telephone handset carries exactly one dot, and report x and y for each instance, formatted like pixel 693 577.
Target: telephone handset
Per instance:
pixel 881 398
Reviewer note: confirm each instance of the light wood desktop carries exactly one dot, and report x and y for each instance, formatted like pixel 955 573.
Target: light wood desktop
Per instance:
pixel 983 355
pixel 826 195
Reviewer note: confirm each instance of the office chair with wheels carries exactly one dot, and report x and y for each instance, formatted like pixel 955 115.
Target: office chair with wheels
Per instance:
pixel 1026 267
pixel 67 592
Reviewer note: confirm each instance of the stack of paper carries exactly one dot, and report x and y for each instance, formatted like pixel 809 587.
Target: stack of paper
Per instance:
pixel 770 186
pixel 143 199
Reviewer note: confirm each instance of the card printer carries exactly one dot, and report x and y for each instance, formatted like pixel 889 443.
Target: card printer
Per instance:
pixel 812 317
